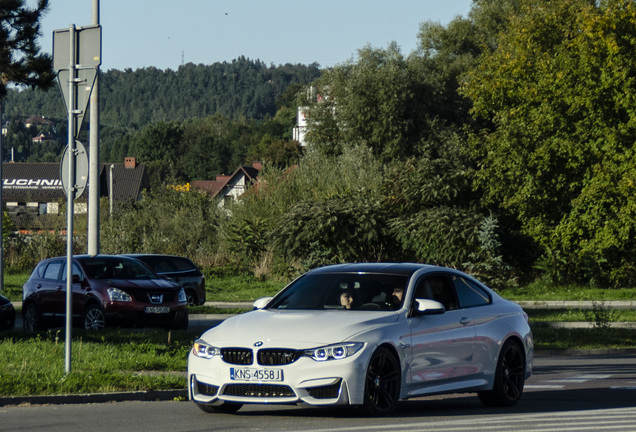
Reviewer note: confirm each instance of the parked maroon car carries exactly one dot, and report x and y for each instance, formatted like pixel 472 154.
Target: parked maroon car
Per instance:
pixel 107 290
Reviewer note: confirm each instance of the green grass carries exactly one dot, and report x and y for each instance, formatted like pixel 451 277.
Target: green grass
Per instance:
pixel 13 284
pixel 547 338
pixel 108 361
pixel 216 310
pixel 244 288
pixel 567 292
pixel 589 315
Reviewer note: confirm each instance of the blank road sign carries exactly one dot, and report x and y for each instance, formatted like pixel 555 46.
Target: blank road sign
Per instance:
pixel 88 47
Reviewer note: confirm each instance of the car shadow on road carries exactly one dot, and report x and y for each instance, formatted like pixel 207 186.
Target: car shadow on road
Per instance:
pixel 468 405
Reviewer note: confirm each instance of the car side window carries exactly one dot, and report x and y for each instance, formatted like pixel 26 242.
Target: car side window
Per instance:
pixel 162 265
pixel 183 264
pixel 469 293
pixel 76 271
pixel 437 288
pixel 52 271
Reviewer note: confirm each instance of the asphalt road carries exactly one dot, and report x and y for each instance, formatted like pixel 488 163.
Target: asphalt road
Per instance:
pixel 593 393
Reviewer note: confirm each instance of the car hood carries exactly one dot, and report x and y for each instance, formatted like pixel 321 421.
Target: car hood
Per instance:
pixel 301 329
pixel 143 284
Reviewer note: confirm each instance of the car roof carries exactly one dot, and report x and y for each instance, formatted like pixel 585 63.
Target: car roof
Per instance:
pixel 406 269
pixel 150 255
pixel 84 257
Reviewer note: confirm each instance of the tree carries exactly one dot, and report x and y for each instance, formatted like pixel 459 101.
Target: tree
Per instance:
pixel 20 59
pixel 371 102
pixel 559 91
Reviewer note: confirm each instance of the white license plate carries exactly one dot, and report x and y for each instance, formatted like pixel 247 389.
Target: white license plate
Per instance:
pixel 157 309
pixel 256 374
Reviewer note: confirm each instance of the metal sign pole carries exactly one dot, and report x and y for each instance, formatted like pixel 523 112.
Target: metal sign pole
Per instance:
pixel 72 107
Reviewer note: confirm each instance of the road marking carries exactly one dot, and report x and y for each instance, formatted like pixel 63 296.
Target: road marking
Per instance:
pixel 582 378
pixel 566 421
pixel 544 387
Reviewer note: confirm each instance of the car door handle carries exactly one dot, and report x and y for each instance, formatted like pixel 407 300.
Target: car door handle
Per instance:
pixel 465 321
pixel 60 287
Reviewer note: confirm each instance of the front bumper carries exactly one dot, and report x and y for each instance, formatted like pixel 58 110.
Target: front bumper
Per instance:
pixel 333 382
pixel 135 315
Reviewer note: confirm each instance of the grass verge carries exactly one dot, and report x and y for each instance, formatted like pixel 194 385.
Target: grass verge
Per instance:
pixel 583 339
pixel 108 361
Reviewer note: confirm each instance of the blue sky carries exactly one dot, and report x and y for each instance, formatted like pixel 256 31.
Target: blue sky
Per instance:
pixel 161 33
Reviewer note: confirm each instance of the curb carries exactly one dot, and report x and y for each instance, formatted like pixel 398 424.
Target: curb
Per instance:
pixel 586 352
pixel 142 396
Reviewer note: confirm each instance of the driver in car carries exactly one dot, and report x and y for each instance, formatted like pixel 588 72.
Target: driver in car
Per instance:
pixel 346 299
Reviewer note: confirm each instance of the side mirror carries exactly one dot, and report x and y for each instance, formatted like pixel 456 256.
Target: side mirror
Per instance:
pixel 77 278
pixel 261 303
pixel 428 307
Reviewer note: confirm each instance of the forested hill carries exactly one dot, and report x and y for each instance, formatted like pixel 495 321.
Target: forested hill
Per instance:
pixel 136 98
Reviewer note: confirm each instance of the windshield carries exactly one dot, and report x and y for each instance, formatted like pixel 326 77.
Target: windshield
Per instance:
pixel 344 291
pixel 116 268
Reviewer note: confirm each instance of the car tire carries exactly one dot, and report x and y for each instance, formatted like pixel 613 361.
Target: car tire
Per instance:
pixel 223 408
pixel 31 320
pixel 510 377
pixel 382 383
pixel 191 298
pixel 93 318
pixel 181 324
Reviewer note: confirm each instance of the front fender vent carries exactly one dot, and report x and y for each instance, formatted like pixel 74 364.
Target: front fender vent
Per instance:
pixel 325 392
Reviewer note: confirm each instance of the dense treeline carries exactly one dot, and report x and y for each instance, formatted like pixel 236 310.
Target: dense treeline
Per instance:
pixel 135 98
pixel 220 112
pixel 504 146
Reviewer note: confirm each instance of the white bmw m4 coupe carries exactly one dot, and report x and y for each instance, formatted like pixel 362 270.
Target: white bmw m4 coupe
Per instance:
pixel 369 335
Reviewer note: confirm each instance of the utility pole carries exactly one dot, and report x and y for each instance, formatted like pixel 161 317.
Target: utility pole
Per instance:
pixel 93 158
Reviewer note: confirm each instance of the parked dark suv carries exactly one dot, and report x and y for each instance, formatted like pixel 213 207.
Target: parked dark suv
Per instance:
pixel 7 314
pixel 179 269
pixel 107 290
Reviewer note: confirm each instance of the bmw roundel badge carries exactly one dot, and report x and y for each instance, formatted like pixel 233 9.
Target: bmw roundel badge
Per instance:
pixel 257 344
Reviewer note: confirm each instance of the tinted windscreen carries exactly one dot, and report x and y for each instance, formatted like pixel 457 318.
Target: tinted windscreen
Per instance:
pixel 344 291
pixel 114 268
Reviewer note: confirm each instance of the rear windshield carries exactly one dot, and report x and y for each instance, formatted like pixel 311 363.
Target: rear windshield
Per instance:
pixel 116 268
pixel 344 291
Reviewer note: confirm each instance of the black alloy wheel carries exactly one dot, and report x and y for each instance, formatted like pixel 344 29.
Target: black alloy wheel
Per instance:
pixel 510 377
pixel 94 318
pixel 382 383
pixel 191 298
pixel 31 318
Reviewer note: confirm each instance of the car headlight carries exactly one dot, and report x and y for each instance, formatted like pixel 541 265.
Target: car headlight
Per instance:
pixel 204 350
pixel 182 296
pixel 115 294
pixel 334 352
